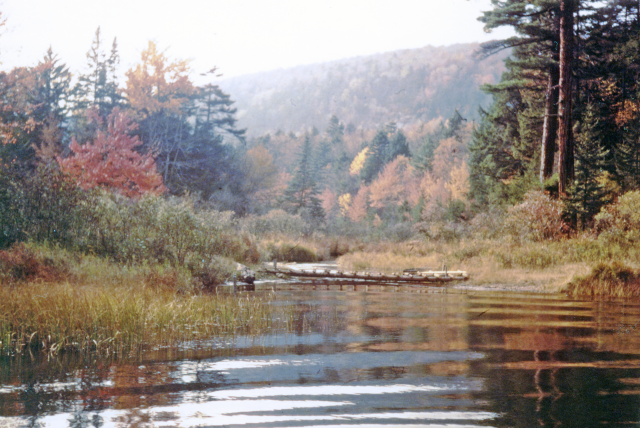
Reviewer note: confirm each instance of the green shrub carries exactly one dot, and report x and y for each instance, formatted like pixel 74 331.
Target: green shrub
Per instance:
pixel 276 222
pixel 42 205
pixel 537 218
pixel 528 257
pixel 620 222
pixel 154 229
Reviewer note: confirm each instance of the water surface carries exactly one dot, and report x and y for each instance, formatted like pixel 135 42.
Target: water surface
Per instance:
pixel 363 356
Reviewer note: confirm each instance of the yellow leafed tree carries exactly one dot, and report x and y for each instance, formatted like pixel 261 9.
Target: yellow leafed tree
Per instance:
pixel 156 84
pixel 358 162
pixel 389 188
pixel 345 202
pixel 260 171
pixel 458 185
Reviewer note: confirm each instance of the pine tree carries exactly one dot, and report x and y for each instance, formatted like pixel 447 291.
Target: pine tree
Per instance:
pixel 587 195
pixel 302 194
pixel 376 157
pixel 398 146
pixel 423 159
pixel 99 86
pixel 536 57
pixel 494 149
pixel 54 82
pixel 52 99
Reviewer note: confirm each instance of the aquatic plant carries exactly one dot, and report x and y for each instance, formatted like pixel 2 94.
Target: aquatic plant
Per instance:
pixel 123 320
pixel 52 300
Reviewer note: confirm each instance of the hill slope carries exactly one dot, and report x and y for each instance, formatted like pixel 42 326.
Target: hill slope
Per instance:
pixel 403 86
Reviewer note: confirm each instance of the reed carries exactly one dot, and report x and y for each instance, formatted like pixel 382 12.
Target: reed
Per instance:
pixel 88 304
pixel 124 320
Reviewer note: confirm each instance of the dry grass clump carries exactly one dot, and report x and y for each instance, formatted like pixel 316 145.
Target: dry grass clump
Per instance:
pixel 607 279
pixel 388 261
pixel 290 251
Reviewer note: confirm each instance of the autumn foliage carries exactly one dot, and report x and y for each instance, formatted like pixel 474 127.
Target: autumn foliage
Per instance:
pixel 111 161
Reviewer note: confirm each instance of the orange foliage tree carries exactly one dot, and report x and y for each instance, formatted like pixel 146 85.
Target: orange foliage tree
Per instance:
pixel 111 161
pixel 158 84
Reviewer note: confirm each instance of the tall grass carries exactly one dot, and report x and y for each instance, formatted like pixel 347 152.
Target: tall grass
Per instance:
pixel 123 320
pixel 60 301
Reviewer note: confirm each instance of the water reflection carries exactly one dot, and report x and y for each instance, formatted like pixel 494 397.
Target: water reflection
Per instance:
pixel 371 357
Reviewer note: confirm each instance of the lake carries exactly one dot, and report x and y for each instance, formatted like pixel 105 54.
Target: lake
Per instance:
pixel 362 356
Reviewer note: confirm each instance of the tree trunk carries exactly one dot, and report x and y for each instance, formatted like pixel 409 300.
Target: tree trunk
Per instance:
pixel 550 127
pixel 565 125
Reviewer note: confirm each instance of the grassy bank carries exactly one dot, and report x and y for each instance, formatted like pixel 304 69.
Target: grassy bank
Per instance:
pixel 57 301
pixel 547 266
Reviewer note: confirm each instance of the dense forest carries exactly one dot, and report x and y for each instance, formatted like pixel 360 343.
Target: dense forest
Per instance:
pixel 406 87
pixel 396 145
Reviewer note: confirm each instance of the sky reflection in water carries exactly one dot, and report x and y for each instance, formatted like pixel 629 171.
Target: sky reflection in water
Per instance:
pixel 366 358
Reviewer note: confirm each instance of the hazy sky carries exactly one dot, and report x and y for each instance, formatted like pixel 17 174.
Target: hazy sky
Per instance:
pixel 237 36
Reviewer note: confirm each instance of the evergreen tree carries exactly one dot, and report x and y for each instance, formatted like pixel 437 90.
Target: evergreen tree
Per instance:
pixel 398 146
pixel 535 61
pixel 54 82
pixel 495 150
pixel 301 195
pixel 51 100
pixel 99 86
pixel 378 150
pixel 587 193
pixel 211 160
pixel 335 131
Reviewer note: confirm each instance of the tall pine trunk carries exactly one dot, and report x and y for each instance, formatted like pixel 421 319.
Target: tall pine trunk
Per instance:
pixel 550 127
pixel 565 123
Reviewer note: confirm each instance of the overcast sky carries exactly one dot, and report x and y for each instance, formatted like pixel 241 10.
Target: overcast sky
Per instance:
pixel 238 36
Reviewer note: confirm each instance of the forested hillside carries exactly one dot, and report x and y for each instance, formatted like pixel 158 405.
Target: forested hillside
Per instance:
pixel 404 86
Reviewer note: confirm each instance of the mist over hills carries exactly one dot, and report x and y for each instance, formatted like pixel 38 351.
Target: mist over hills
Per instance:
pixel 407 86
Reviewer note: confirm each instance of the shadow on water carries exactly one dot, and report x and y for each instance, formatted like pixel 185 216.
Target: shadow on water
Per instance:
pixel 362 356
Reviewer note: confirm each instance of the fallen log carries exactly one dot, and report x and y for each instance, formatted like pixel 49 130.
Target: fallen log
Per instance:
pixel 409 276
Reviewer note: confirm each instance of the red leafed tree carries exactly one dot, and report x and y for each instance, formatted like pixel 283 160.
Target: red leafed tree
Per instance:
pixel 111 161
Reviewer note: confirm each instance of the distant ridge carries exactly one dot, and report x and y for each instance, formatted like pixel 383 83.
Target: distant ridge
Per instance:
pixel 406 86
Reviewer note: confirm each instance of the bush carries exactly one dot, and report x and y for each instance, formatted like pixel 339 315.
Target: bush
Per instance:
pixel 276 222
pixel 26 263
pixel 45 205
pixel 488 225
pixel 537 218
pixel 154 229
pixel 620 222
pixel 290 252
pixel 444 222
pixel 529 257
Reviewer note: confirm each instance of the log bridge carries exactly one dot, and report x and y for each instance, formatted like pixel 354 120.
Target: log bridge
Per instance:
pixel 420 276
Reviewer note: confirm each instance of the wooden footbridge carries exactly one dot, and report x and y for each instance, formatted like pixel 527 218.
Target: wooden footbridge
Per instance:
pixel 419 276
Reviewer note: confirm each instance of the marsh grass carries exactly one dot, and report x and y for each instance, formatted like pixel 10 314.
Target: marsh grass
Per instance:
pixel 123 320
pixel 607 279
pixel 113 309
